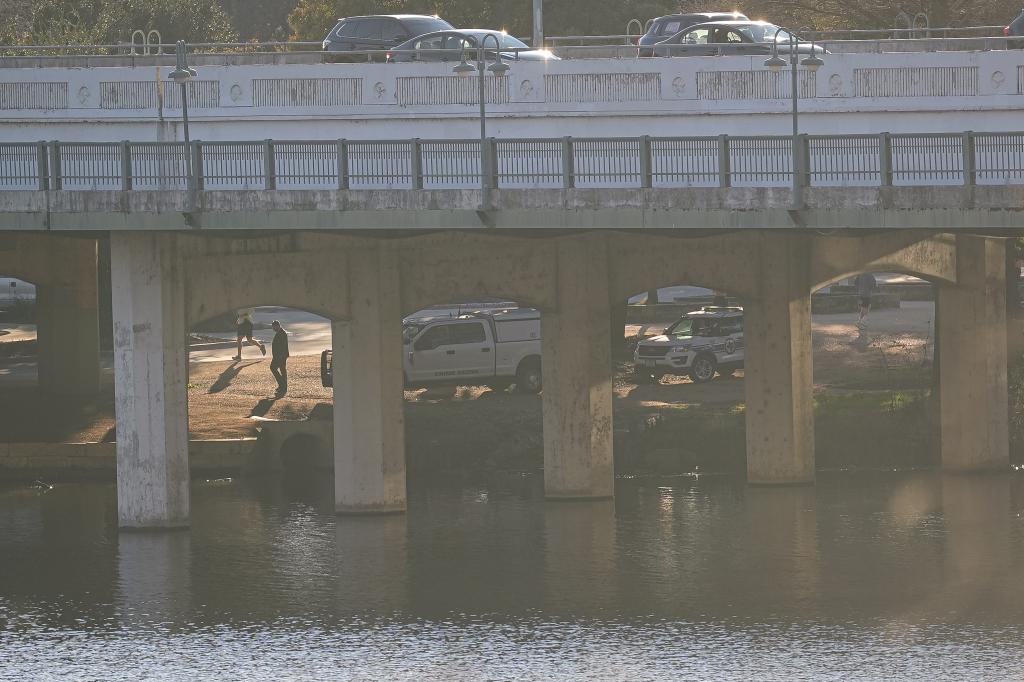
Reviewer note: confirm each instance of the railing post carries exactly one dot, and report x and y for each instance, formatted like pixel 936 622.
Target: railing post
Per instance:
pixel 42 166
pixel 416 150
pixel 885 159
pixel 970 164
pixel 343 182
pixel 568 164
pixel 492 162
pixel 126 165
pixel 724 162
pixel 804 155
pixel 269 170
pixel 196 181
pixel 55 171
pixel 646 172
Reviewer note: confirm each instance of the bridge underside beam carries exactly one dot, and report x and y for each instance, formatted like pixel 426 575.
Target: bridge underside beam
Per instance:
pixel 984 207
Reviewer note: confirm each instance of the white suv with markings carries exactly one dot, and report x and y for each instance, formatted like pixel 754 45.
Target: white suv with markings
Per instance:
pixel 700 344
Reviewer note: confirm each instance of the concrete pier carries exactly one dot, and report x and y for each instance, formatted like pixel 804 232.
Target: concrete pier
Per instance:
pixel 369 431
pixel 972 360
pixel 150 380
pixel 68 337
pixel 65 272
pixel 778 370
pixel 577 375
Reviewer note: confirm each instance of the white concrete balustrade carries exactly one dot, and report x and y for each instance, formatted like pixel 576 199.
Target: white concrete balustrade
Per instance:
pixel 861 93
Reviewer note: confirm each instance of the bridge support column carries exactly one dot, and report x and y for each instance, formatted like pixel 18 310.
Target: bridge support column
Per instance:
pixel 369 430
pixel 150 379
pixel 972 360
pixel 67 314
pixel 577 375
pixel 778 376
pixel 68 333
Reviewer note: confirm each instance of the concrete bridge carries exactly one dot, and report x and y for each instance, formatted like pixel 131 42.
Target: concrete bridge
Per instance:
pixel 164 282
pixel 346 223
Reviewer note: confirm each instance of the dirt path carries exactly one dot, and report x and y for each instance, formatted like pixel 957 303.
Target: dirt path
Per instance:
pixel 223 395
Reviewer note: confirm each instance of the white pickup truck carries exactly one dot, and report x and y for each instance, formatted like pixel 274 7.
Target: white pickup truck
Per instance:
pixel 494 348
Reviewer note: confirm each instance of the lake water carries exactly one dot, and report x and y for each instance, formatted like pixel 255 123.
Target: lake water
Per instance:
pixel 894 576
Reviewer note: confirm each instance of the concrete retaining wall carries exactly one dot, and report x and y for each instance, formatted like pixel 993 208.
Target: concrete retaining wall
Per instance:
pixel 88 460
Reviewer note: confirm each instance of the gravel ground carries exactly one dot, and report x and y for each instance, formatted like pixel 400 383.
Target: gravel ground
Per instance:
pixel 224 395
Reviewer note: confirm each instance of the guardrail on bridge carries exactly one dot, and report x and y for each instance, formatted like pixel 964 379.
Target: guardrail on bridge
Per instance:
pixel 641 162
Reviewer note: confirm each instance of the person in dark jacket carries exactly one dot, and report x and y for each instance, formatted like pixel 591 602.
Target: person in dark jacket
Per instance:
pixel 279 358
pixel 866 284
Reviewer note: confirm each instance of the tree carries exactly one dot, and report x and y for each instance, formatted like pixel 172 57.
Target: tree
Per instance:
pixel 880 14
pixel 260 19
pixel 54 22
pixel 311 19
pixel 194 21
pixel 63 22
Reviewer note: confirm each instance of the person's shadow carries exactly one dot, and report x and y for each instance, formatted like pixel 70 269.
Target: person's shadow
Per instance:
pixel 262 407
pixel 226 377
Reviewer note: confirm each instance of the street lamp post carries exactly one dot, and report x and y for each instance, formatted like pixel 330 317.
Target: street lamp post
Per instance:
pixel 776 64
pixel 182 75
pixel 498 68
pixel 538 24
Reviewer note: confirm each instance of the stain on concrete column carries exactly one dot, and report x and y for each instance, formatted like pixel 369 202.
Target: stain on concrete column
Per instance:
pixel 577 374
pixel 971 331
pixel 778 377
pixel 369 430
pixel 150 381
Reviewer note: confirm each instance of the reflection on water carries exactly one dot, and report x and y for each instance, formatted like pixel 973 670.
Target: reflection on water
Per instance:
pixel 909 576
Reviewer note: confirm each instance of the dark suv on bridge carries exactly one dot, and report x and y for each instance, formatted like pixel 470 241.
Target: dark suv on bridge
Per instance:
pixel 667 26
pixel 356 35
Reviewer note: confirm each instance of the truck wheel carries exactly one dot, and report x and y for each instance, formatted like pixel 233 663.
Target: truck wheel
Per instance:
pixel 528 377
pixel 703 369
pixel 644 376
pixel 327 368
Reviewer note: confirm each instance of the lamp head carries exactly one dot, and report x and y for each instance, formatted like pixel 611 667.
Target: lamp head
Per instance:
pixel 498 68
pixel 813 63
pixel 775 63
pixel 182 73
pixel 464 68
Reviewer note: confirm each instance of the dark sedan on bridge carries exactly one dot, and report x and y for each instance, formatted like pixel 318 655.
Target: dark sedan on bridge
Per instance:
pixel 450 46
pixel 732 38
pixel 665 27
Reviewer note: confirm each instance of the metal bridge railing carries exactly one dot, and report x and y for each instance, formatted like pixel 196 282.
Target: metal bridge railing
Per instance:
pixel 638 162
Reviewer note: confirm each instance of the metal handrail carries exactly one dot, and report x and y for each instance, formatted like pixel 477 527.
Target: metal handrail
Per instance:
pixel 884 159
